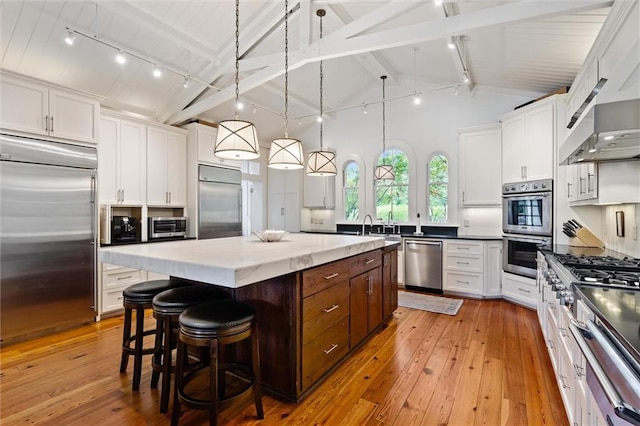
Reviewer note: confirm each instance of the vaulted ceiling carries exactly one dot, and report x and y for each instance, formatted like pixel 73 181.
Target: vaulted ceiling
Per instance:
pixel 528 47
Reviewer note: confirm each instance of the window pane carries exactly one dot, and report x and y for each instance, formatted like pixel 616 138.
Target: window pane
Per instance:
pixel 351 204
pixel 438 194
pixel 438 169
pixel 393 196
pixel 351 175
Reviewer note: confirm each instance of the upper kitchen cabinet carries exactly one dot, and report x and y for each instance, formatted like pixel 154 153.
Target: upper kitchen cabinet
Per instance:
pixel 480 165
pixel 122 167
pixel 30 106
pixel 582 182
pixel 319 192
pixel 528 141
pixel 284 199
pixel 166 167
pixel 202 139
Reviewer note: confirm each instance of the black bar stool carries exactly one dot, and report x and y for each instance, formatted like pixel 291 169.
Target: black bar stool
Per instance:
pixel 138 297
pixel 167 306
pixel 214 325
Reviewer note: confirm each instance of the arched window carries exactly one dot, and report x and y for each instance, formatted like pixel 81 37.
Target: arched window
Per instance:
pixel 351 188
pixel 438 187
pixel 392 196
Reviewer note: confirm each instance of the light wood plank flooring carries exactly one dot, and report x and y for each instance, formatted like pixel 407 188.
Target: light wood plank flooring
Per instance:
pixel 487 365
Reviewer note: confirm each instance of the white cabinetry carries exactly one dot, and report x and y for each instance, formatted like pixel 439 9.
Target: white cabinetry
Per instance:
pixel 114 280
pixel 284 199
pixel 492 268
pixel 480 165
pixel 202 139
pixel 122 166
pixel 29 106
pixel 319 191
pixel 582 182
pixel 519 289
pixel 528 137
pixel 166 167
pixel 464 267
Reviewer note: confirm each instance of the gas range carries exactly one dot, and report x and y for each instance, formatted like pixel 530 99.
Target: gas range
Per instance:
pixel 603 271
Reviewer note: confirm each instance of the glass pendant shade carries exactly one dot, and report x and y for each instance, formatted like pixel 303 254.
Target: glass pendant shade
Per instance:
pixel 286 154
pixel 322 163
pixel 236 140
pixel 384 172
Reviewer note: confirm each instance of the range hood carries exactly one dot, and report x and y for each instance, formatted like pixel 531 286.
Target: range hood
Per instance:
pixel 607 132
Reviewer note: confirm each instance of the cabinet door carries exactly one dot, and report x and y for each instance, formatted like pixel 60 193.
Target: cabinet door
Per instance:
pixel 480 167
pixel 389 283
pixel 157 193
pixel 513 140
pixel 358 312
pixel 374 307
pixel 493 269
pixel 131 157
pixel 276 211
pixel 177 169
pixel 24 106
pixel 538 148
pixel 292 212
pixel 206 137
pixel 73 116
pixel 319 191
pixel 108 185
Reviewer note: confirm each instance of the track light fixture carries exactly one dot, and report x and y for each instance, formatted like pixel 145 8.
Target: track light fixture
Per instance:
pixel 157 72
pixel 438 2
pixel 70 38
pixel 364 109
pixel 185 82
pixel 452 43
pixel 120 58
pixel 465 77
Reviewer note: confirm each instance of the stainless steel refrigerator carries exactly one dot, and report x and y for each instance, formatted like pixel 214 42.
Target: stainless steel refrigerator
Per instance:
pixel 47 236
pixel 219 202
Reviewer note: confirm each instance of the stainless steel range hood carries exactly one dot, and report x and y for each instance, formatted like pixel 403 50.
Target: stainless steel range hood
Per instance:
pixel 607 132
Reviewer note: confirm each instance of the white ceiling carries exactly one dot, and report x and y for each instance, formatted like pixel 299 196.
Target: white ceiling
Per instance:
pixel 529 47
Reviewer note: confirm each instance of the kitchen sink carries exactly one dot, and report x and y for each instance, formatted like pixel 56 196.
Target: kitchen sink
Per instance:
pixel 387 237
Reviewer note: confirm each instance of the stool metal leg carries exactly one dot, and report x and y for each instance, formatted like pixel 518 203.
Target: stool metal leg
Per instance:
pixel 126 335
pixel 137 352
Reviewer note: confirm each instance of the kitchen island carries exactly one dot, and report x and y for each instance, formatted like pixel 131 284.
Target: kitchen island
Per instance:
pixel 317 297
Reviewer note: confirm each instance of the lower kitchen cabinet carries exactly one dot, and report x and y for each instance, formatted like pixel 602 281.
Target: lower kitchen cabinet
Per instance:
pixel 492 268
pixel 114 280
pixel 389 281
pixel 365 302
pixel 473 268
pixel 519 289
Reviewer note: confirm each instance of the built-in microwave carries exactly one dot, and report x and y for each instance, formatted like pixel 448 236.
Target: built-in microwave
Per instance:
pixel 167 227
pixel 527 208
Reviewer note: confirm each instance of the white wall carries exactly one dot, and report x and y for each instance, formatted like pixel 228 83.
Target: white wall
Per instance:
pixel 421 131
pixel 627 244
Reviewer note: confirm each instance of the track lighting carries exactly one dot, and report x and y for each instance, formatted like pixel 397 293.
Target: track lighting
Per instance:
pixel 452 43
pixel 364 109
pixel 437 2
pixel 185 82
pixel 465 77
pixel 157 72
pixel 416 99
pixel 299 122
pixel 254 110
pixel 319 119
pixel 70 38
pixel 455 92
pixel 120 58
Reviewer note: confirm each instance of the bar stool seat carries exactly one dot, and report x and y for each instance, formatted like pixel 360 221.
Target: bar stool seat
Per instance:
pixel 214 325
pixel 138 297
pixel 167 306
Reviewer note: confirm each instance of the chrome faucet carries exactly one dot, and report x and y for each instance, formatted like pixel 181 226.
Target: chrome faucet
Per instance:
pixel 365 221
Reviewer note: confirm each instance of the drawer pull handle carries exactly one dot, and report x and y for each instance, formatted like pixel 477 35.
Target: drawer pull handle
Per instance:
pixel 523 290
pixel 333 308
pixel 369 261
pixel 125 278
pixel 328 351
pixel 462 248
pixel 120 298
pixel 328 277
pixel 462 282
pixel 462 263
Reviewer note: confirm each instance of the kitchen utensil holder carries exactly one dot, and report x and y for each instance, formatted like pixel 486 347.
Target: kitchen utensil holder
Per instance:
pixel 585 238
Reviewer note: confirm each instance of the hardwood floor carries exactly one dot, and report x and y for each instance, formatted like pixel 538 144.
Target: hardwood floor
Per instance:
pixel 487 365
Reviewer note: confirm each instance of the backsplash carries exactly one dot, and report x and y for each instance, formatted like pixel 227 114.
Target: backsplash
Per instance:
pixel 630 243
pixel 481 221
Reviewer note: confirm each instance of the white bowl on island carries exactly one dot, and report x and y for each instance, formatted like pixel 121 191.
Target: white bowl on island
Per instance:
pixel 270 235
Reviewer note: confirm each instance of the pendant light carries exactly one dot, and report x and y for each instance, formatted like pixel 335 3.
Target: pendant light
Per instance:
pixel 286 153
pixel 385 171
pixel 237 139
pixel 321 163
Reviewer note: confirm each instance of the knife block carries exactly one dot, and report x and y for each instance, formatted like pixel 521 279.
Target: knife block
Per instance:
pixel 585 238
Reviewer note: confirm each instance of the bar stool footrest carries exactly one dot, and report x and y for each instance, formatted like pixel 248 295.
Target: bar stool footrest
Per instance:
pixel 231 368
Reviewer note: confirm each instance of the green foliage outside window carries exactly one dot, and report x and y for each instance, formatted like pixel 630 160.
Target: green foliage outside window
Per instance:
pixel 438 189
pixel 393 196
pixel 351 191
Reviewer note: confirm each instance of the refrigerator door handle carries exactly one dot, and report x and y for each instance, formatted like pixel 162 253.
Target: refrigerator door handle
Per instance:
pixel 94 218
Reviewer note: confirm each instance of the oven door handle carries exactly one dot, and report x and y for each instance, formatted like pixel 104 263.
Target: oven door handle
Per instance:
pixel 591 332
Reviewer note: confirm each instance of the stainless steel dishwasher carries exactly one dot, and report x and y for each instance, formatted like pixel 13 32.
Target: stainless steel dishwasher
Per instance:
pixel 423 265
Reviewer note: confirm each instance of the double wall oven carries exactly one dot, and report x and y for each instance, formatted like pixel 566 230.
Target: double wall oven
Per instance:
pixel 600 296
pixel 527 224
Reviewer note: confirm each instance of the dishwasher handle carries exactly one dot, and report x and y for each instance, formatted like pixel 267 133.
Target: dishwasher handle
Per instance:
pixel 423 243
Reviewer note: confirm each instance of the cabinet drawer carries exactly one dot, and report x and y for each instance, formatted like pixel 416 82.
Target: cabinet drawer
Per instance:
pixel 323 276
pixel 467 283
pixel 364 262
pixel 464 247
pixel 520 289
pixel 323 352
pixel 122 277
pixel 112 299
pixel 324 309
pixel 464 263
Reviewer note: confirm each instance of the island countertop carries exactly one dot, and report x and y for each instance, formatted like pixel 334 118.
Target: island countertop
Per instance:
pixel 238 261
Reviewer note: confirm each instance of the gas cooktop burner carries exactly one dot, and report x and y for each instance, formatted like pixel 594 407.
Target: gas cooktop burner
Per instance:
pixel 602 276
pixel 598 262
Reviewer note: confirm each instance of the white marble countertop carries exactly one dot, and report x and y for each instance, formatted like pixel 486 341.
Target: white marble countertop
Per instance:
pixel 238 261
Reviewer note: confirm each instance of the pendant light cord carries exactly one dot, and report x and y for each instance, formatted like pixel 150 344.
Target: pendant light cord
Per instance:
pixel 286 68
pixel 384 121
pixel 321 83
pixel 237 55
